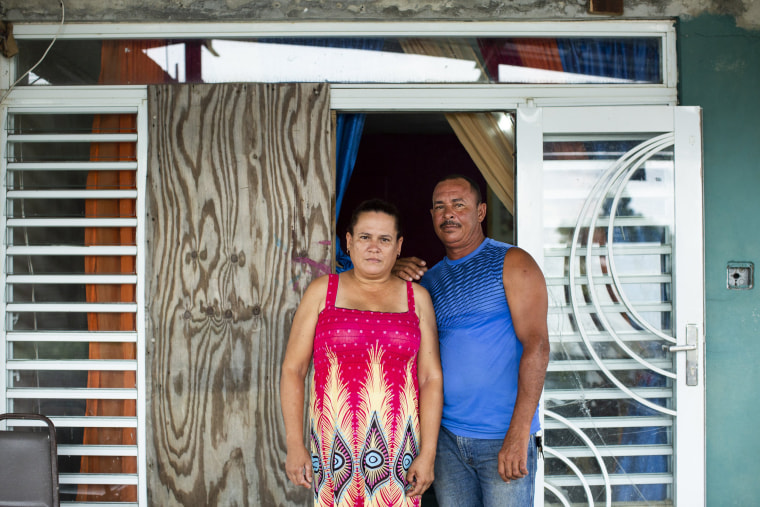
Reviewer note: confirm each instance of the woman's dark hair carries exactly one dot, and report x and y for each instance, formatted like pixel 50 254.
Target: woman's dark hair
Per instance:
pixel 378 206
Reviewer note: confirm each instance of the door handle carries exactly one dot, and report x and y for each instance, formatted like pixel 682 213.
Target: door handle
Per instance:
pixel 692 356
pixel 680 348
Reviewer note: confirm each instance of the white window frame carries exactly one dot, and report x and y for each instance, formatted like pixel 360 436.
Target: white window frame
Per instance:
pixel 344 97
pixel 415 97
pixel 96 101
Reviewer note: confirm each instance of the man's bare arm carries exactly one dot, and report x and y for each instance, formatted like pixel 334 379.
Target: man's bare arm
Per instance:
pixel 525 288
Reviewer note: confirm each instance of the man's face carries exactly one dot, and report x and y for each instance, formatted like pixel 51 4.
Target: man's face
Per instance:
pixel 457 214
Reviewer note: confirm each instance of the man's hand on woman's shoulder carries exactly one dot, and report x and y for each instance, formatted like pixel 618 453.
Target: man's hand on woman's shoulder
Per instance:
pixel 409 268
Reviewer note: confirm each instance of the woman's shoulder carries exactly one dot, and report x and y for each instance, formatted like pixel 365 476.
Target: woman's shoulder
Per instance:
pixel 321 281
pixel 420 292
pixel 317 288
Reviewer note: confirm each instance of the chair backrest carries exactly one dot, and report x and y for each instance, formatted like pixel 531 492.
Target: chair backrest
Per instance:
pixel 28 465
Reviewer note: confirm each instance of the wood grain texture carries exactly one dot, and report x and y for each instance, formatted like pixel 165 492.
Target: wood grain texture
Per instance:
pixel 240 220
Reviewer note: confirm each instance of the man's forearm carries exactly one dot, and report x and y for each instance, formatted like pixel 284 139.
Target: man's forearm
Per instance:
pixel 530 383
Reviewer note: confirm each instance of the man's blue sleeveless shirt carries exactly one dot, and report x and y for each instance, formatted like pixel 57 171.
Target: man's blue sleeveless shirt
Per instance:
pixel 480 353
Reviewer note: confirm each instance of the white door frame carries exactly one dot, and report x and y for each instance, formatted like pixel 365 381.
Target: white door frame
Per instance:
pixel 688 262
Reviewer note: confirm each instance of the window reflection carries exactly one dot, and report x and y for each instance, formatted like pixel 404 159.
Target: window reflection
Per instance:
pixel 579 60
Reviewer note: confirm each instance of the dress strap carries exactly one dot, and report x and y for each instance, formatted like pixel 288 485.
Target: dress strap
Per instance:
pixel 332 290
pixel 410 297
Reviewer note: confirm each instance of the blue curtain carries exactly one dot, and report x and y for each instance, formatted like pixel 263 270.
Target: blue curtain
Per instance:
pixel 636 59
pixel 348 133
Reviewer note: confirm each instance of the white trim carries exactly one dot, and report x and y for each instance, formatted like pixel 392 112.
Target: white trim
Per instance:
pixel 528 184
pixel 76 99
pixel 565 28
pixel 490 97
pixel 688 276
pixel 417 97
pixel 4 405
pixel 380 97
pixel 529 179
pixel 565 120
pixel 141 406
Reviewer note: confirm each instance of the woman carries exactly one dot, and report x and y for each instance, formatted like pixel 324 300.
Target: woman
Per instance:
pixel 376 395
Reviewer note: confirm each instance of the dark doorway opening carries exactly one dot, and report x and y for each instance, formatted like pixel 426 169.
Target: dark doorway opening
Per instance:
pixel 400 159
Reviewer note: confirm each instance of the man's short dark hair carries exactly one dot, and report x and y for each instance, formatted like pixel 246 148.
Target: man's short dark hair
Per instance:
pixel 473 184
pixel 377 206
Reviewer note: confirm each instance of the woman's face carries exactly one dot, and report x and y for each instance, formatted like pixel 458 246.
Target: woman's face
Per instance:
pixel 373 245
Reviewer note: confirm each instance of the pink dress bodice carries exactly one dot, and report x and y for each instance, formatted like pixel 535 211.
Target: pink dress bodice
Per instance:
pixel 364 404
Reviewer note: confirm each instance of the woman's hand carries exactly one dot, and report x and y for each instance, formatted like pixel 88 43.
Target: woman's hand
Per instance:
pixel 298 467
pixel 420 475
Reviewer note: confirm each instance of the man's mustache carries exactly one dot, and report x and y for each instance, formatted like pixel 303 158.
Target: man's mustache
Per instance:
pixel 449 222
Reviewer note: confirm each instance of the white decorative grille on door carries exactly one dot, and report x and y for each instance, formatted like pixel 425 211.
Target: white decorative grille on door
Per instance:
pixel 609 395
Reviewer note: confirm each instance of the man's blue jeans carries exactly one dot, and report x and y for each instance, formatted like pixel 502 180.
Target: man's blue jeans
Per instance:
pixel 467 474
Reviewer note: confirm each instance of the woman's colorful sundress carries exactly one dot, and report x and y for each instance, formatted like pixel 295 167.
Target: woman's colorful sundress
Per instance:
pixel 364 422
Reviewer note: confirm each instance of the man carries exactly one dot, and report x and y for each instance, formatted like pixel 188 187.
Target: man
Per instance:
pixel 490 302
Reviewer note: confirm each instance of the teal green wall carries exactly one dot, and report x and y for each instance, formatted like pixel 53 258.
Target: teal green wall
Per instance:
pixel 720 71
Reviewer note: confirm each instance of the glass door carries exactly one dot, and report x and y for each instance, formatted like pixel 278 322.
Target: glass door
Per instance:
pixel 609 201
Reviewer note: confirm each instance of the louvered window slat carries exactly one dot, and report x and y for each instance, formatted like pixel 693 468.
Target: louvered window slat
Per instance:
pixel 64 337
pixel 98 450
pixel 48 162
pixel 72 222
pixel 615 479
pixel 86 422
pixel 72 279
pixel 619 450
pixel 605 394
pixel 72 194
pixel 124 479
pixel 72 394
pixel 68 365
pixel 72 166
pixel 72 307
pixel 71 250
pixel 97 504
pixel 72 138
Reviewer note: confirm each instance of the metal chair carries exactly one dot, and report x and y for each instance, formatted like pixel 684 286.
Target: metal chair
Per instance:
pixel 28 465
